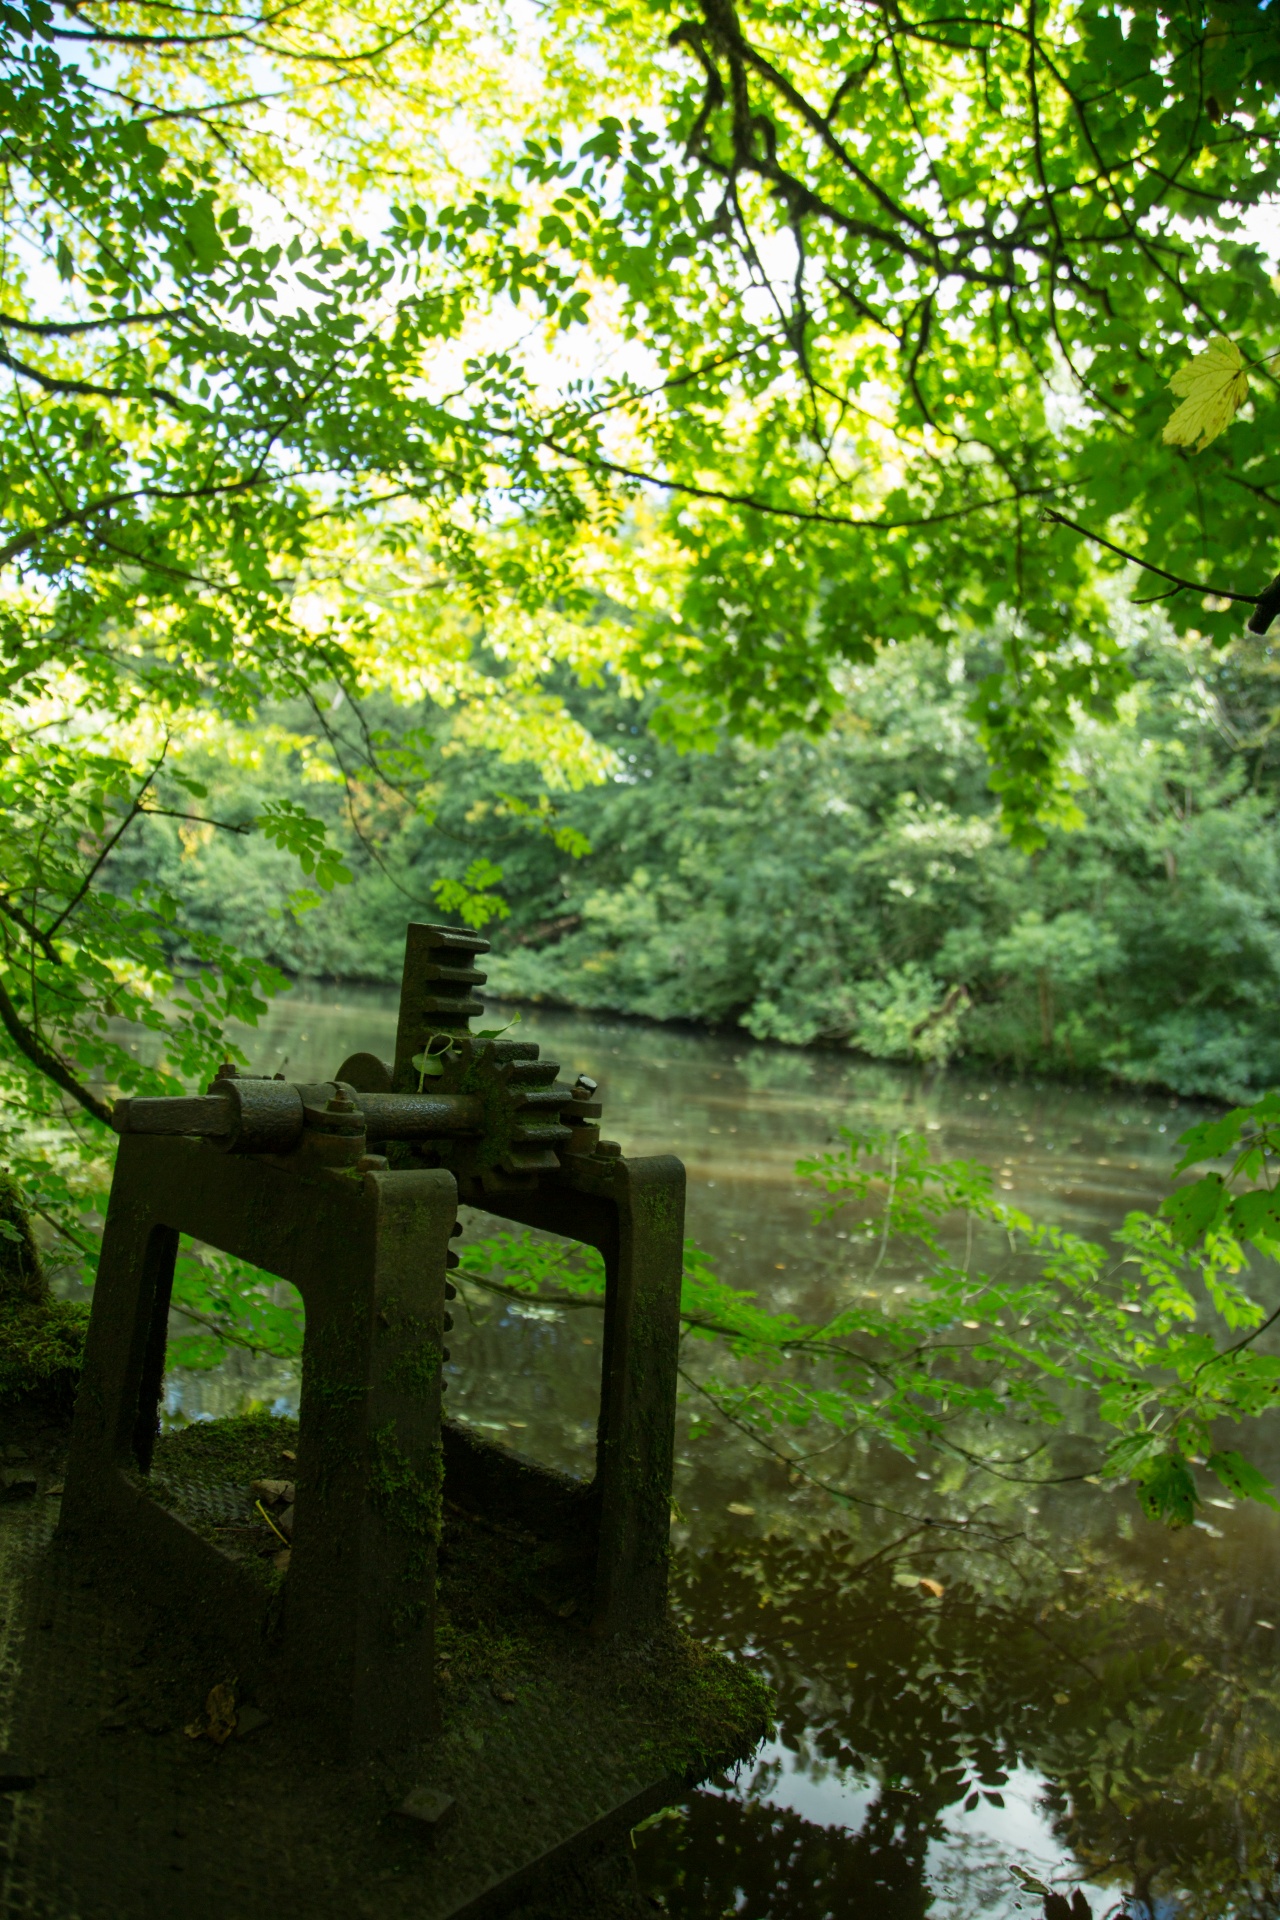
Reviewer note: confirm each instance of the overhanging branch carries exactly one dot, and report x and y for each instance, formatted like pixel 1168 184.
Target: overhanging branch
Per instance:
pixel 47 1062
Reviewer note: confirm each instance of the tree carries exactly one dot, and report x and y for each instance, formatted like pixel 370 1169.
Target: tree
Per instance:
pixel 253 430
pixel 913 281
pixel 220 437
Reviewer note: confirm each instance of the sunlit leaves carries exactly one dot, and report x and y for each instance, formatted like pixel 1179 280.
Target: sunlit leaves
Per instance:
pixel 468 896
pixel 966 1342
pixel 1212 388
pixel 289 825
pixel 927 277
pixel 201 422
pixel 1209 1204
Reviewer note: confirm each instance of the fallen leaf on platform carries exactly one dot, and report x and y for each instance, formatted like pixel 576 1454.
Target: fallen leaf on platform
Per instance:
pixel 429 1805
pixel 220 1714
pixel 276 1493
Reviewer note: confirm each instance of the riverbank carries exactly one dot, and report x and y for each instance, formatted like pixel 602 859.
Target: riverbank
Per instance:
pixel 855 890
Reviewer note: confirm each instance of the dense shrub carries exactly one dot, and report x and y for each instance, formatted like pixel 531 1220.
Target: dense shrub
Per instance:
pixel 851 889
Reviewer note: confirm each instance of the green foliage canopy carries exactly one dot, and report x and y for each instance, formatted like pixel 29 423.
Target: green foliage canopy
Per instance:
pixel 206 412
pixel 913 282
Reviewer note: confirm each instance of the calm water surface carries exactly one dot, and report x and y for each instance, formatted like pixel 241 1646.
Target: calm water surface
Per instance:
pixel 1088 1699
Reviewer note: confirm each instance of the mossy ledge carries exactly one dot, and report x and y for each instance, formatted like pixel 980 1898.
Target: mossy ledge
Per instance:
pixel 41 1339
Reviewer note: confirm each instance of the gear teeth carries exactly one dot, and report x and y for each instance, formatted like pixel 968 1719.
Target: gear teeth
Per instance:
pixel 530 1160
pixel 538 1099
pixel 436 992
pixel 527 1109
pixel 534 1073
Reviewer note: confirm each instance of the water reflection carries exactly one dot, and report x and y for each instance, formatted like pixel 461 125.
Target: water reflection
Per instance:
pixel 1088 1696
pixel 1115 1717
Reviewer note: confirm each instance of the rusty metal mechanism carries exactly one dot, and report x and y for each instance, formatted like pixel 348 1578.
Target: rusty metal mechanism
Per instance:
pixel 283 1175
pixel 488 1109
pixel 456 1689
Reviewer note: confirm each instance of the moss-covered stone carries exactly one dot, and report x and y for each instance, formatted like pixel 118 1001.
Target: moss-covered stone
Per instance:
pixel 21 1273
pixel 41 1339
pixel 42 1352
pixel 232 1452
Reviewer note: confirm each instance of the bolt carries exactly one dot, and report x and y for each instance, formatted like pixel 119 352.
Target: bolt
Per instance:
pixel 341 1103
pixel 226 1071
pixel 584 1086
pixel 450 1291
pixel 609 1149
pixel 448 1323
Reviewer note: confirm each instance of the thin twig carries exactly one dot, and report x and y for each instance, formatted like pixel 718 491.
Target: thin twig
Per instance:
pixel 1180 584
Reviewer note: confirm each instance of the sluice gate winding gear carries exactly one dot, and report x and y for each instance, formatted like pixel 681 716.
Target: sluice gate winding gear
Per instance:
pixel 282 1175
pixel 349 1189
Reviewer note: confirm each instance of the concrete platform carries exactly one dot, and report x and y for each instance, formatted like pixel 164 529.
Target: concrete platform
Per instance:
pixel 552 1744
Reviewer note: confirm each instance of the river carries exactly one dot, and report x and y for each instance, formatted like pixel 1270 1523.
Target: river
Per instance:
pixel 1065 1691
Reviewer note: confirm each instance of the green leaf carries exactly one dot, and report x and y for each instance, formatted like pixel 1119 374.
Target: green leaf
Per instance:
pixel 496 1033
pixel 1255 1215
pixel 1167 1490
pixel 1194 1210
pixel 1240 1477
pixel 1212 387
pixel 1212 1138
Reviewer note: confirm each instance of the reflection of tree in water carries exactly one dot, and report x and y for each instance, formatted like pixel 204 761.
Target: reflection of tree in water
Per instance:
pixel 1153 1715
pixel 766 1863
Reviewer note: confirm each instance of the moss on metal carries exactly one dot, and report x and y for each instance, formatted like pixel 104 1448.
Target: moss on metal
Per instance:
pixel 408 1501
pixel 417 1372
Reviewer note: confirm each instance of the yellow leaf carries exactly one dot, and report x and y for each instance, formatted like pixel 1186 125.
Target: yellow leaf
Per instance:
pixel 935 1587
pixel 220 1713
pixel 1212 388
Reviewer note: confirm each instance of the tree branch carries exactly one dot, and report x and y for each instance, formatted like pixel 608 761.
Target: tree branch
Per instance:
pixel 812 515
pixel 65 329
pixel 107 846
pixel 52 383
pixel 46 1062
pixel 174 813
pixel 1180 585
pixel 30 927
